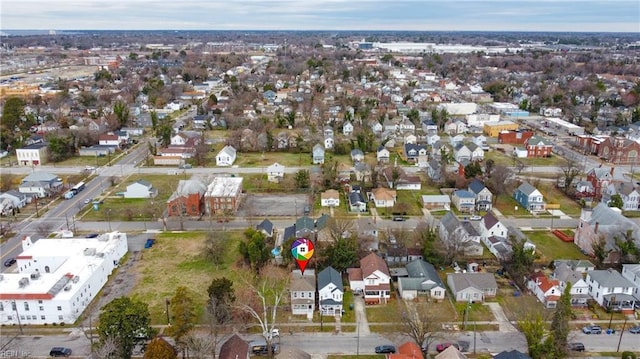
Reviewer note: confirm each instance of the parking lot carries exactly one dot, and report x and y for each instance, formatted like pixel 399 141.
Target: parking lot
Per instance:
pixel 273 205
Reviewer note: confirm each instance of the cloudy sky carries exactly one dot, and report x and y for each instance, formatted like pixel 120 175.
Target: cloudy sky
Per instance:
pixel 466 15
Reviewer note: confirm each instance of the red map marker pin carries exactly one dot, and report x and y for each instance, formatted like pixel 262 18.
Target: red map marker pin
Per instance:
pixel 302 251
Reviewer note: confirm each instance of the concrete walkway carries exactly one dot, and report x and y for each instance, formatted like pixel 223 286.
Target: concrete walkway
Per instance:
pixel 361 316
pixel 504 325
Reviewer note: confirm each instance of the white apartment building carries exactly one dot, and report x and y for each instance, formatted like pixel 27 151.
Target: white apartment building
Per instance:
pixel 57 278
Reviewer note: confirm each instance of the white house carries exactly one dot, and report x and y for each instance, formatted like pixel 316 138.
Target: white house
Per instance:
pixel 491 226
pixel 484 197
pixel 303 292
pixel 330 198
pixel 382 154
pixel 57 278
pixel 347 128
pixel 546 290
pixel 317 154
pixel 422 280
pixel 330 292
pixel 275 172
pixel 140 189
pixel 226 156
pixel 372 279
pixel 463 200
pixel 328 143
pixel 383 197
pixel 472 287
pixel 32 155
pixel 40 184
pixel 611 290
pixel 632 273
pixel 18 200
pixel 579 291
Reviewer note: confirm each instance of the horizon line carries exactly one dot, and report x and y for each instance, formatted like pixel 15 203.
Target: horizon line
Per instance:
pixel 336 30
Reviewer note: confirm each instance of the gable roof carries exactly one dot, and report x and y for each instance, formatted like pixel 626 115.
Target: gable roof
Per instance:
pixel 609 278
pixel 228 150
pixel 611 222
pixel 267 226
pixel 371 263
pixel 526 188
pixel 514 354
pixel 451 353
pixel 473 280
pixel 234 348
pixel 463 193
pixel 303 282
pixel 476 186
pixel 40 177
pixel 330 275
pixel 450 222
pixel 489 220
pixel 304 222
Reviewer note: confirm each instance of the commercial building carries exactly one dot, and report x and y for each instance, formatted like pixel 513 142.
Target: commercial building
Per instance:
pixel 57 278
pixel 223 195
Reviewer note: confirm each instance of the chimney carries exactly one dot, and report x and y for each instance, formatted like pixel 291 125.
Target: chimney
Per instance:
pixel 595 230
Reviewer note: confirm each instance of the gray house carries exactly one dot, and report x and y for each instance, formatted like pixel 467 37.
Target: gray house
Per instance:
pixel 472 287
pixel 318 154
pixel 330 292
pixel 460 236
pixel 422 280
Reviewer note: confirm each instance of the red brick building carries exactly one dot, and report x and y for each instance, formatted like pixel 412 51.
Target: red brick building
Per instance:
pixel 187 200
pixel 539 147
pixel 600 178
pixel 223 195
pixel 518 137
pixel 619 150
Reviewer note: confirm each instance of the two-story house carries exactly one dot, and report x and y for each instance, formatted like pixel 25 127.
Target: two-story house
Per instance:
pixel 600 177
pixel 611 290
pixel 330 292
pixel 579 291
pixel 303 292
pixel 382 154
pixel 317 154
pixel 347 128
pixel 372 279
pixel 463 200
pixel 412 152
pixel 632 273
pixel 546 290
pixel 629 194
pixel 529 198
pixel 484 197
pixel 275 173
pixel 461 237
pixel 491 226
pixel 461 152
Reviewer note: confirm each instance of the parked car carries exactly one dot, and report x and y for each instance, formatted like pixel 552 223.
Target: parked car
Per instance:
pixel 576 347
pixel 60 352
pixel 399 219
pixel 92 235
pixel 9 262
pixel 592 329
pixel 475 217
pixel 385 349
pixel 635 330
pixel 442 346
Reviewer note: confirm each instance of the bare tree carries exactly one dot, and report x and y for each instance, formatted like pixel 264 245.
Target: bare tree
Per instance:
pixel 498 181
pixel 106 348
pixel 452 247
pixel 215 247
pixel 338 227
pixel 44 229
pixel 263 298
pixel 420 322
pixel 200 345
pixel 570 171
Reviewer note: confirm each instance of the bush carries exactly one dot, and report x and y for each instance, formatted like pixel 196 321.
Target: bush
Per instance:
pixel 628 355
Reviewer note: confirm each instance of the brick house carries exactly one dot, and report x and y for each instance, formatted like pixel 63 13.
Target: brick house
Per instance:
pixel 539 147
pixel 187 200
pixel 600 178
pixel 223 195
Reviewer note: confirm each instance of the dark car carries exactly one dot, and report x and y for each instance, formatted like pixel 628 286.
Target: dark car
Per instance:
pixel 385 349
pixel 92 235
pixel 442 346
pixel 60 352
pixel 576 347
pixel 635 330
pixel 399 219
pixel 592 329
pixel 9 262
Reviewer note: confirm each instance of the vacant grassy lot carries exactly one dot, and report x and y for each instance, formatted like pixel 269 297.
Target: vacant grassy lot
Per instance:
pixel 517 308
pixel 507 206
pixel 504 159
pixel 117 208
pixel 549 247
pixel 556 196
pixel 86 161
pixel 176 260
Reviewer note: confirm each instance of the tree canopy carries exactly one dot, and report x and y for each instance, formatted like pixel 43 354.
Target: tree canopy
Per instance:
pixel 124 320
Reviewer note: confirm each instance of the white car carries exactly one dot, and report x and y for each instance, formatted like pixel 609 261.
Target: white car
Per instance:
pixel 87 201
pixel 89 168
pixel 475 218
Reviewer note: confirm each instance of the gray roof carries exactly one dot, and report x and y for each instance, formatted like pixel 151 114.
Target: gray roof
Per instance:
pixel 473 280
pixel 526 188
pixel 420 269
pixel 267 226
pixel 144 183
pixel 40 177
pixel 514 354
pixel 185 188
pixel 330 275
pixel 612 223
pixel 609 278
pixel 565 273
pixel 450 222
pixel 303 223
pixel 470 229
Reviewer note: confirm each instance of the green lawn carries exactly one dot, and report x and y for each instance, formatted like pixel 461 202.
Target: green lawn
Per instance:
pixel 86 161
pixel 116 208
pixel 550 247
pixel 553 195
pixel 506 160
pixel 507 206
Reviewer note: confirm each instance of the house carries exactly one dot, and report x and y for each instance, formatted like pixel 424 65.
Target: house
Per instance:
pixel 456 140
pixel 266 227
pixel 330 198
pixel 40 184
pixel 234 348
pixel 347 128
pixel 565 275
pixel 463 200
pixel 450 353
pixel 357 202
pixel 382 155
pixel 305 227
pixel 461 152
pixel 357 155
pixel 472 287
pixel 17 199
pixel 546 290
pixel 434 170
pixel 6 207
pixel 410 139
pixel 422 280
pixel 518 137
pixel 397 178
pixel 383 197
pixel 330 292
pixel 432 139
pixel 32 155
pixel 140 189
pixel 372 279
pixel 513 354
pixel 491 226
pixel 581 266
pixel 275 173
pixel 226 156
pixel 600 178
pixel 303 292
pixel 223 195
pixel 611 290
pixel 429 126
pixel 436 202
pixel 110 139
pixel 412 152
pixel 318 154
pixel 483 197
pixel 481 141
pixel 459 236
pixel 188 199
pixel 606 223
pixel 328 143
pixel 407 350
pixel 629 194
pixel 539 147
pixel 632 273
pixel 529 198
pixel 362 171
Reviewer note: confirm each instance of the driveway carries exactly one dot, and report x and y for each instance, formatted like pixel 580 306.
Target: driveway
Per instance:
pixel 361 316
pixel 504 325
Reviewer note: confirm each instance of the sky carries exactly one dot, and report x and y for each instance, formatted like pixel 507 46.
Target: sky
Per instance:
pixel 418 15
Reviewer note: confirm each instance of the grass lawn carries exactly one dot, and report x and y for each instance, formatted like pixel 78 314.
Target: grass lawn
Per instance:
pixel 86 161
pixel 553 195
pixel 175 260
pixel 550 247
pixel 506 160
pixel 266 159
pixel 517 308
pixel 507 206
pixel 477 312
pixel 135 209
